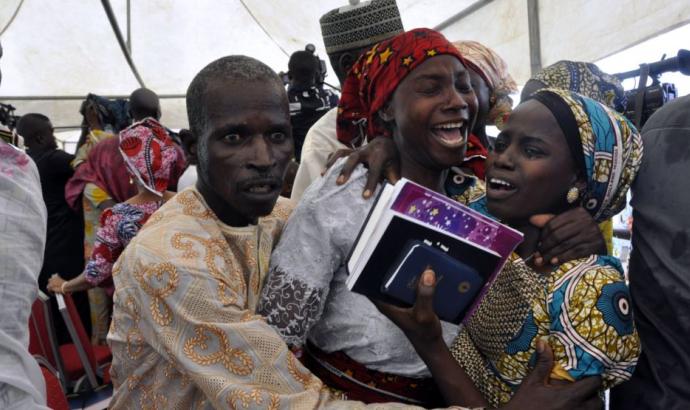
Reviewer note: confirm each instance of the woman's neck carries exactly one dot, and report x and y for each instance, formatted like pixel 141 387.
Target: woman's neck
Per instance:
pixel 143 196
pixel 221 208
pixel 429 178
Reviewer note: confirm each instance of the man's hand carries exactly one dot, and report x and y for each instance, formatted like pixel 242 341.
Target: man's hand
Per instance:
pixel 380 156
pixel 420 323
pixel 536 392
pixel 567 236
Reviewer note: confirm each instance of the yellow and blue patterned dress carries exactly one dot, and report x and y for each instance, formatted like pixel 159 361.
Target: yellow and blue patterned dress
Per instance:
pixel 582 308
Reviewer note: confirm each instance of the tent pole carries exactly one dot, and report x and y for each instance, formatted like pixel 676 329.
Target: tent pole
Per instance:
pixel 77 97
pixel 14 15
pixel 462 14
pixel 534 36
pixel 118 34
pixel 129 27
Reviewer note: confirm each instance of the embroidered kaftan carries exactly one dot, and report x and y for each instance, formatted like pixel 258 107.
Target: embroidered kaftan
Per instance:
pixel 184 332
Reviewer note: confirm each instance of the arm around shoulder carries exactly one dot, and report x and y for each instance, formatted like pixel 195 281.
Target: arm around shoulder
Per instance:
pixel 311 250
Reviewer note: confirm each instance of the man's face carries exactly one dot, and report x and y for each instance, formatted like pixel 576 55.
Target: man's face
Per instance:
pixel 343 61
pixel 245 148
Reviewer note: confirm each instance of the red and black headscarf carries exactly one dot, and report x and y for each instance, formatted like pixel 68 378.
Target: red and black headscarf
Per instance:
pixel 150 154
pixel 376 75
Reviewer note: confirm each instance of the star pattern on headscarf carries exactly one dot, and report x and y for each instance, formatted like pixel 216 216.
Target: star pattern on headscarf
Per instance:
pixel 370 54
pixel 431 52
pixel 385 55
pixel 407 61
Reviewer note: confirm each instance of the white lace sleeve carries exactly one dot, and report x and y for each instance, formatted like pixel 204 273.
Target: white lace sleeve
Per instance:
pixel 314 245
pixel 291 306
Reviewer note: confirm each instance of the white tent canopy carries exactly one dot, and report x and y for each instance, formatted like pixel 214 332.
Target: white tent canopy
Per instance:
pixel 59 49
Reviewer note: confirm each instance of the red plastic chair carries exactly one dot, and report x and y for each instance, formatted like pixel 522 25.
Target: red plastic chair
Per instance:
pixel 42 340
pixel 55 395
pixel 81 358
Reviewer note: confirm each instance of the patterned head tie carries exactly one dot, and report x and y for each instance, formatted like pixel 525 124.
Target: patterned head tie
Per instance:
pixel 376 75
pixel 603 142
pixel 494 70
pixel 360 25
pixel 149 153
pixel 585 79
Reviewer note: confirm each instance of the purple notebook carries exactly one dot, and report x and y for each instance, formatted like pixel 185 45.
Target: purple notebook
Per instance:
pixel 407 212
pixel 448 215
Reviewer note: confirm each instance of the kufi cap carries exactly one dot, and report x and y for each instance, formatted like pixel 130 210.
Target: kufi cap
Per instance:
pixel 360 25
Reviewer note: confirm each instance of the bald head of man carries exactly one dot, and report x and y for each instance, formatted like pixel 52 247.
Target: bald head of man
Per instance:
pixel 144 103
pixel 37 131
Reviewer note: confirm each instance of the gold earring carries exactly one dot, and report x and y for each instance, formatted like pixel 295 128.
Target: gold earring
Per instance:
pixel 573 195
pixel 131 181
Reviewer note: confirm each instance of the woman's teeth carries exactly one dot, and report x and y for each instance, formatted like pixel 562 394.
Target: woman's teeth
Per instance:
pixel 449 125
pixel 450 134
pixel 500 184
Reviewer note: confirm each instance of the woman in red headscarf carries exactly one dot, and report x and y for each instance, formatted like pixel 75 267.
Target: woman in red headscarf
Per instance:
pixel 151 159
pixel 415 89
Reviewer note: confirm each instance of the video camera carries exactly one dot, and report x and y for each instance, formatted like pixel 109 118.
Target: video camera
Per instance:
pixel 7 117
pixel 643 101
pixel 321 69
pixel 320 66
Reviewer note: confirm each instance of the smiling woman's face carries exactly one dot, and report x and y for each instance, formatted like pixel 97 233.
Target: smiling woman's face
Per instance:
pixel 433 109
pixel 531 168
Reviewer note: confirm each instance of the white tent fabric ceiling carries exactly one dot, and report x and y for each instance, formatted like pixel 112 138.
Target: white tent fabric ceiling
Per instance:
pixel 68 48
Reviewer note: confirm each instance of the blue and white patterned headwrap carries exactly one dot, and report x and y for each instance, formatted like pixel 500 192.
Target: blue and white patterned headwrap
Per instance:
pixel 611 148
pixel 586 79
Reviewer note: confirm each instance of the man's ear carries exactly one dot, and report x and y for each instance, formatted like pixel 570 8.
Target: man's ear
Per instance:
pixel 346 61
pixel 189 144
pixel 39 139
pixel 386 113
